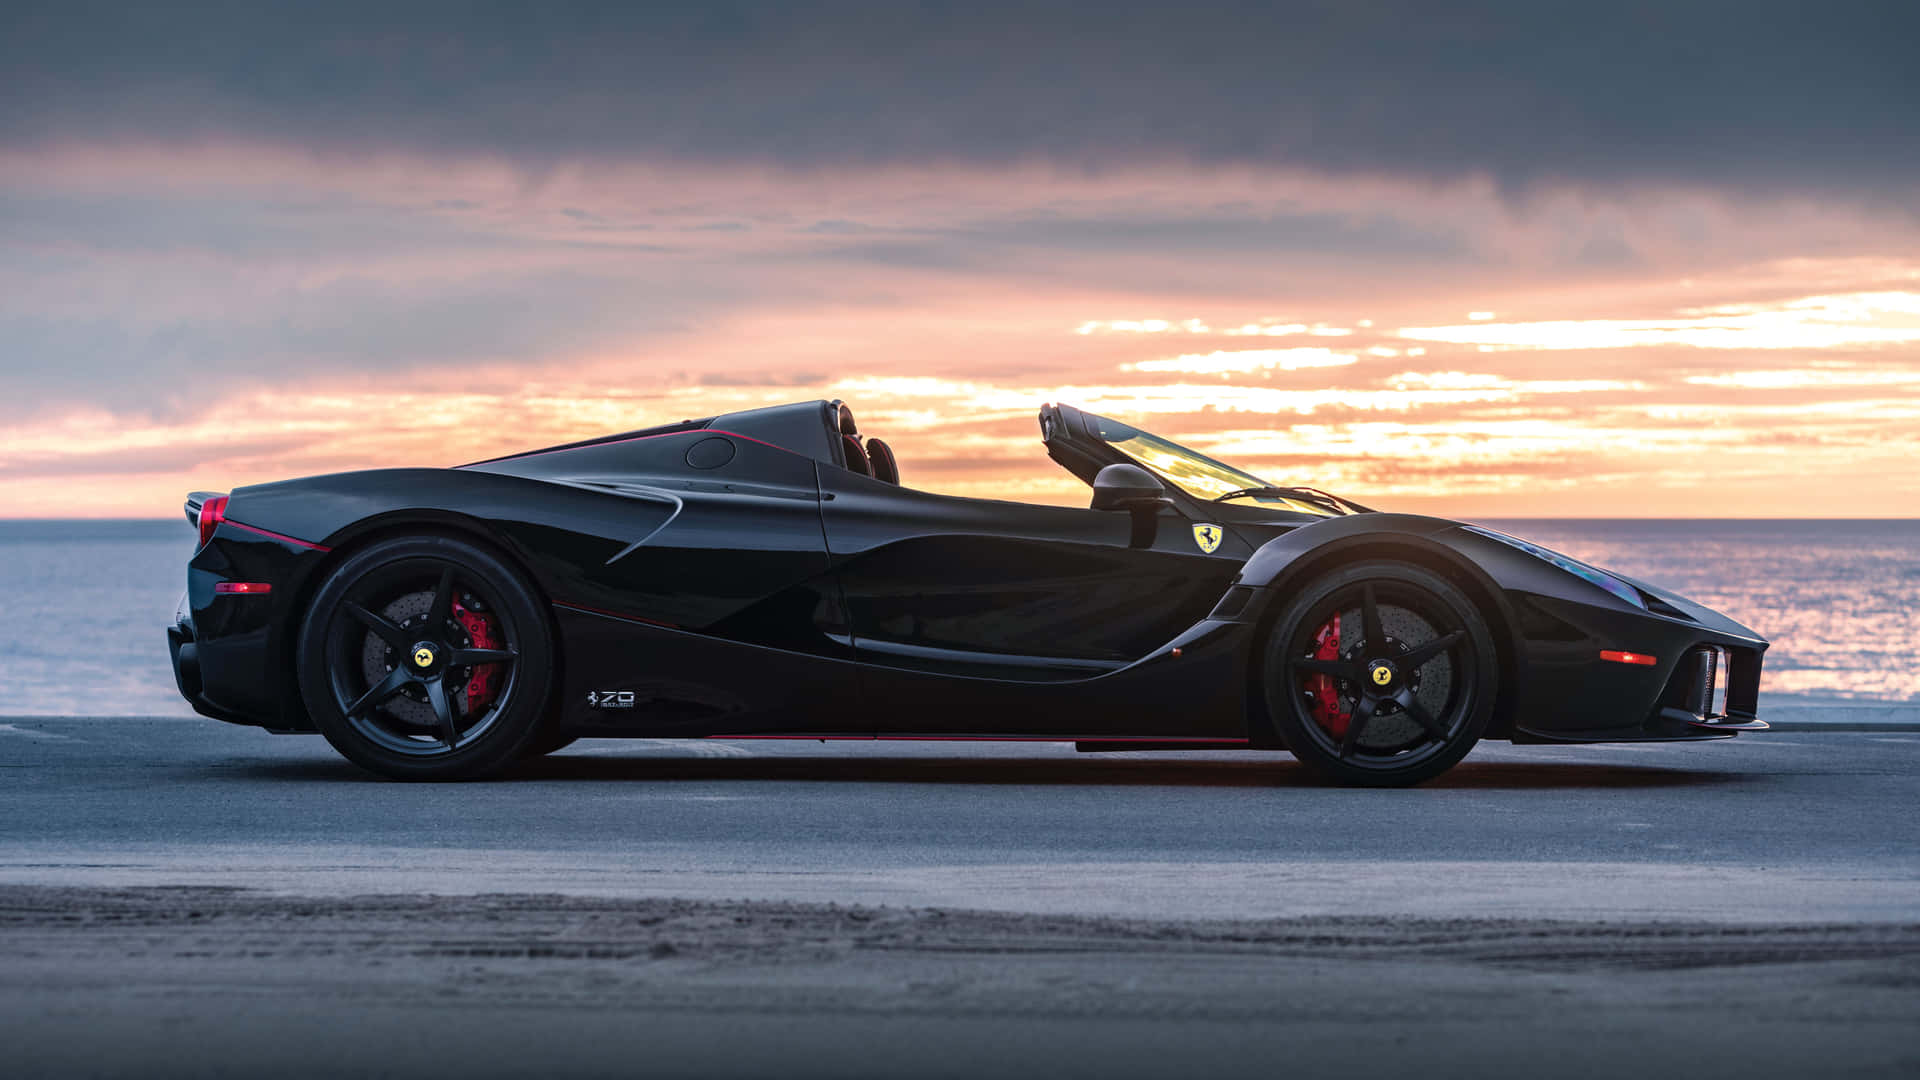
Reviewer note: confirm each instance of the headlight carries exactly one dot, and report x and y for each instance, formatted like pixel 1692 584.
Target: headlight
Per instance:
pixel 1572 566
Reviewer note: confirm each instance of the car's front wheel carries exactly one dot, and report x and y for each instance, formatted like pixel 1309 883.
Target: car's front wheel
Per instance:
pixel 1380 674
pixel 426 658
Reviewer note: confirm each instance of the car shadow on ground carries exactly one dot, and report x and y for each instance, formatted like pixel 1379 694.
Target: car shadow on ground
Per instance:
pixel 1258 771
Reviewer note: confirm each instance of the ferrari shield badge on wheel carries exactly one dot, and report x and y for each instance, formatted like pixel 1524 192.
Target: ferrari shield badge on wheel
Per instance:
pixel 767 574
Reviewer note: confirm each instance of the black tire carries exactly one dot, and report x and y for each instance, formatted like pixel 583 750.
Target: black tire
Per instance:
pixel 380 660
pixel 1415 685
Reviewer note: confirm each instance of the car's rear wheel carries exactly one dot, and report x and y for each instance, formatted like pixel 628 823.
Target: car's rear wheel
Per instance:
pixel 1380 674
pixel 426 658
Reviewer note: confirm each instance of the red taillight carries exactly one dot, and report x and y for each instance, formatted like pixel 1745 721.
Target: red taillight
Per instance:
pixel 1619 657
pixel 243 588
pixel 212 513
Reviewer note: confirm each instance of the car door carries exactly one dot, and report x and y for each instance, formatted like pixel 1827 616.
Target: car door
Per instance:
pixel 1011 591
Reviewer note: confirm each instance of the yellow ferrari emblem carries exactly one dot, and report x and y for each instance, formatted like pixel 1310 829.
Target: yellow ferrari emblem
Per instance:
pixel 1382 675
pixel 422 656
pixel 1207 536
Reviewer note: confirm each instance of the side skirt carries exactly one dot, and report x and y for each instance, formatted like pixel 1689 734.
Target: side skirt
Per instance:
pixel 1085 743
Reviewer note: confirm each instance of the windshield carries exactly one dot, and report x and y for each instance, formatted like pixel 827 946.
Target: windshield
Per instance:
pixel 1194 472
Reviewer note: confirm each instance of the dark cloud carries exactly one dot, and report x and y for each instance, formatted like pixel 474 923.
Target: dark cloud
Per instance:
pixel 316 227
pixel 1002 246
pixel 1246 232
pixel 1769 95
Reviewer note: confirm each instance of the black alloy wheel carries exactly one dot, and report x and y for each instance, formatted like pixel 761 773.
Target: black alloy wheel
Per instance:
pixel 427 658
pixel 1380 674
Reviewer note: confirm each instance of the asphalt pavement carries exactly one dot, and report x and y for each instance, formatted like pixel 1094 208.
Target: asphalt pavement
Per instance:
pixel 174 886
pixel 1776 826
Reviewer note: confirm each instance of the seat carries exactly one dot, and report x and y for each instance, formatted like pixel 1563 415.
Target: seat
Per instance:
pixel 884 465
pixel 856 456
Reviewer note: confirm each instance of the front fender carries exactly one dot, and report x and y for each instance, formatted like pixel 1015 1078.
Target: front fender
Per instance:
pixel 1275 559
pixel 1283 564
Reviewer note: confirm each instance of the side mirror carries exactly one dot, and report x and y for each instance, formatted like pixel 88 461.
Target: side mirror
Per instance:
pixel 1134 489
pixel 1120 487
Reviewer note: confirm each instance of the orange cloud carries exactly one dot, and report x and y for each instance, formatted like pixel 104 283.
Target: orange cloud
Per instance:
pixel 179 320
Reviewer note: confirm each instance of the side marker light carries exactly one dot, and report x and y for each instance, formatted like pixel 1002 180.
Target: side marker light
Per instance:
pixel 1620 657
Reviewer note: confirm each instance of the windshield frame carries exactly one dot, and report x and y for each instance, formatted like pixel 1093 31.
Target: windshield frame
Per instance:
pixel 1194 473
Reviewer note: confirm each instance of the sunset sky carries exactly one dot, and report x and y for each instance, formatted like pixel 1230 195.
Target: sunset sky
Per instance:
pixel 1504 259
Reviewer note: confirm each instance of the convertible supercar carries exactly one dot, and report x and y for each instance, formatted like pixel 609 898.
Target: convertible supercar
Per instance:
pixel 763 574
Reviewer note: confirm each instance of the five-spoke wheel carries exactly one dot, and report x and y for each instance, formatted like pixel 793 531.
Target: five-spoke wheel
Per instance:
pixel 1380 674
pixel 426 658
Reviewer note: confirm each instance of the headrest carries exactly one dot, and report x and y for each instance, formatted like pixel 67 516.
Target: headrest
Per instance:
pixel 885 466
pixel 856 457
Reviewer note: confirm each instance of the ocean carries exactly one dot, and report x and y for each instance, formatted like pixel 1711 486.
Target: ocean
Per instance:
pixel 87 602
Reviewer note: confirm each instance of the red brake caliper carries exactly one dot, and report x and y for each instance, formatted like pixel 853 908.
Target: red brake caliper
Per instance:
pixel 1328 710
pixel 483 684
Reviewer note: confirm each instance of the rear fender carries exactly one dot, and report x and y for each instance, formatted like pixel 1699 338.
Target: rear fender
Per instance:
pixel 341 513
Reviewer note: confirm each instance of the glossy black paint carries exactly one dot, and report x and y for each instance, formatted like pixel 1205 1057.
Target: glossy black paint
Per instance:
pixel 740 579
pixel 995 579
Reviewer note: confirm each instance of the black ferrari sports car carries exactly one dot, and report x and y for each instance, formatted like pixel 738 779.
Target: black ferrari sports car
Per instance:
pixel 764 574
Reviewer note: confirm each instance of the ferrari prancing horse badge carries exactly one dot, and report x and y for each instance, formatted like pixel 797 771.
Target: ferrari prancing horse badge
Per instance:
pixel 1207 536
